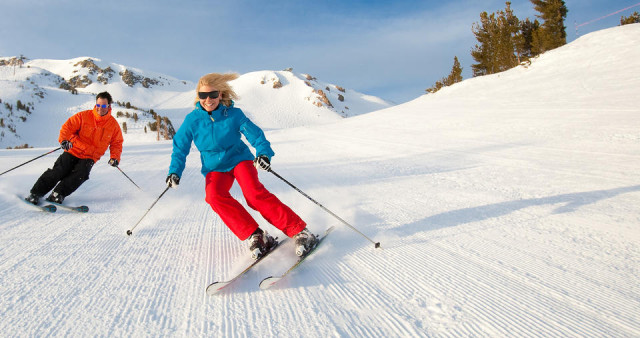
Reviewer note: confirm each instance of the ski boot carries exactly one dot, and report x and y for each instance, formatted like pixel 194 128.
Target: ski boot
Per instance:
pixel 260 243
pixel 305 241
pixel 55 198
pixel 33 199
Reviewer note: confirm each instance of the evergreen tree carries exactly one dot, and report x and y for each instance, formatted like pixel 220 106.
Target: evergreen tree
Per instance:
pixel 499 42
pixel 509 39
pixel 527 30
pixel 633 18
pixel 454 77
pixel 552 33
pixel 483 50
pixel 456 72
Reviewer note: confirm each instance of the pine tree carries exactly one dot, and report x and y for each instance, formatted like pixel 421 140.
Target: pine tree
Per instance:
pixel 633 18
pixel 483 50
pixel 509 39
pixel 456 72
pixel 552 33
pixel 454 77
pixel 527 29
pixel 499 41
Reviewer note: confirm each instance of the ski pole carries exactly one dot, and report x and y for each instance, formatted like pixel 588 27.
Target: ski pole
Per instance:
pixel 30 160
pixel 129 232
pixel 376 244
pixel 125 175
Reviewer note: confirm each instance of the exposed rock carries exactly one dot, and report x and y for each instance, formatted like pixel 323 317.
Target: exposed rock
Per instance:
pixel 131 79
pixel 323 98
pixel 79 81
pixel 14 61
pixel 88 63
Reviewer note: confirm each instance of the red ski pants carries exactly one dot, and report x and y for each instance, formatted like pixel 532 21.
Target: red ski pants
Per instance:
pixel 235 216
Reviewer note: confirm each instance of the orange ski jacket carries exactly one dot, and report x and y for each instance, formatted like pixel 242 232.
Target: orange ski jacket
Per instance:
pixel 91 135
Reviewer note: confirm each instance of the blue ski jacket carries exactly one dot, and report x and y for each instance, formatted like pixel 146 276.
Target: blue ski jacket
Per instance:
pixel 217 137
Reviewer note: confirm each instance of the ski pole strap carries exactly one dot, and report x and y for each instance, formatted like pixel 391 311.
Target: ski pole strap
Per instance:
pixel 30 161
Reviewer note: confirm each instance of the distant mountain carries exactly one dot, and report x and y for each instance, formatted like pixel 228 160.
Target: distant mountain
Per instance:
pixel 37 96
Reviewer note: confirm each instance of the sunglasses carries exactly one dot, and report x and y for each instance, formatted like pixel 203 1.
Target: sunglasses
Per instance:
pixel 214 95
pixel 102 105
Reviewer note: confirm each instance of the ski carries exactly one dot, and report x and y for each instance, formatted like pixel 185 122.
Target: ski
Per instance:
pixel 81 208
pixel 216 287
pixel 270 281
pixel 46 208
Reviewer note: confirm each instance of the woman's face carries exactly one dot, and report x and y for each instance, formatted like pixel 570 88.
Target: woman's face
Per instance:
pixel 209 104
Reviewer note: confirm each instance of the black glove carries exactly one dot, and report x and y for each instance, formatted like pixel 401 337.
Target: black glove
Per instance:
pixel 173 180
pixel 113 162
pixel 66 145
pixel 262 162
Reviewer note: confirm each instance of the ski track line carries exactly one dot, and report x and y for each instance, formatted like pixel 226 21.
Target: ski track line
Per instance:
pixel 377 313
pixel 580 258
pixel 54 269
pixel 522 224
pixel 414 308
pixel 568 320
pixel 19 235
pixel 350 315
pixel 408 291
pixel 172 278
pixel 604 297
pixel 185 255
pixel 615 310
pixel 561 281
pixel 38 241
pixel 483 299
pixel 597 299
pixel 365 264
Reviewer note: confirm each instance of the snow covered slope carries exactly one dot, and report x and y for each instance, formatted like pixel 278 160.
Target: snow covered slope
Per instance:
pixel 53 90
pixel 506 205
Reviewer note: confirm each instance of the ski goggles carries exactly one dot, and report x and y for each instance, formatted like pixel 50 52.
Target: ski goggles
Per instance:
pixel 214 95
pixel 102 105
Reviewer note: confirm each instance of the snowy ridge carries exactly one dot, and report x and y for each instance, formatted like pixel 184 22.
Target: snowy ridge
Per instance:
pixel 502 210
pixel 53 90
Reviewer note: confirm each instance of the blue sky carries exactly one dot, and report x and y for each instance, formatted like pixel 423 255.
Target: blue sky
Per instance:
pixel 392 49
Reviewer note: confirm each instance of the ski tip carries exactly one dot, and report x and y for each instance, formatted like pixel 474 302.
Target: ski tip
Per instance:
pixel 215 287
pixel 268 282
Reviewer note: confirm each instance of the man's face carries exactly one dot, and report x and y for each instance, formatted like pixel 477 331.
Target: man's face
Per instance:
pixel 102 102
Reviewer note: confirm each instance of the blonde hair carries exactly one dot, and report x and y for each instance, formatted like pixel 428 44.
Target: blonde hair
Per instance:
pixel 220 82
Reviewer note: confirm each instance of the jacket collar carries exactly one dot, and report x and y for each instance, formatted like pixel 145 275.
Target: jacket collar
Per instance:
pixel 99 118
pixel 217 113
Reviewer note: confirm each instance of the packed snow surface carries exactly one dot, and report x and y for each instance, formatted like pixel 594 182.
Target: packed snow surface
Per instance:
pixel 506 205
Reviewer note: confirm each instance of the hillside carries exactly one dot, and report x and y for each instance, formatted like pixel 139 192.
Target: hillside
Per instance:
pixel 37 96
pixel 506 206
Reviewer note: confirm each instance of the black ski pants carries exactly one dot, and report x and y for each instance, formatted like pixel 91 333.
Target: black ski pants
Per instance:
pixel 67 174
